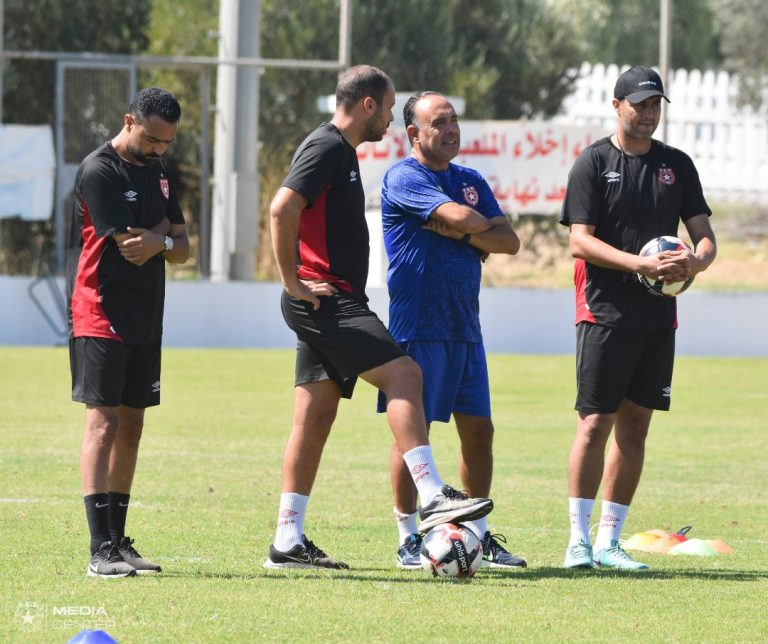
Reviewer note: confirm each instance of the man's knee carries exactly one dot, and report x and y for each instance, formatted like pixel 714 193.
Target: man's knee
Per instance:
pixel 402 377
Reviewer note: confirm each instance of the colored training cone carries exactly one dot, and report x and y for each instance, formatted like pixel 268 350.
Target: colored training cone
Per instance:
pixel 642 541
pixel 693 547
pixel 720 547
pixel 90 636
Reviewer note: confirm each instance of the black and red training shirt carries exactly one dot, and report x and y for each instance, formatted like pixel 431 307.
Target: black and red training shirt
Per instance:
pixel 629 200
pixel 108 296
pixel 333 233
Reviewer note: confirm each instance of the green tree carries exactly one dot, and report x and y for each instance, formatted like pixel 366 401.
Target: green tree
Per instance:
pixel 507 58
pixel 627 33
pixel 109 26
pixel 743 25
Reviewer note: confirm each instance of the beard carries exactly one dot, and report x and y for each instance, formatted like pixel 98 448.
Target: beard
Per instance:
pixel 144 159
pixel 374 130
pixel 639 132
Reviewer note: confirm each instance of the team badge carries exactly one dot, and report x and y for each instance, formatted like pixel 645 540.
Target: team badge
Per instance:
pixel 164 187
pixel 471 196
pixel 666 176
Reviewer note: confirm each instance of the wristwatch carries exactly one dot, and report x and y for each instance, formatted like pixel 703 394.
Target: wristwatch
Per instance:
pixel 168 243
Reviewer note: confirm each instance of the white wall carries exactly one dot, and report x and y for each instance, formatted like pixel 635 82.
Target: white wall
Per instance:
pixel 728 144
pixel 243 314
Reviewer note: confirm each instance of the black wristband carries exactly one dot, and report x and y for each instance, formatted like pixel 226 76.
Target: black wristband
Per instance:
pixel 466 238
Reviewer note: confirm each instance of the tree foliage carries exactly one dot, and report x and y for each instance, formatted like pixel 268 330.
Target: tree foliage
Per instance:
pixel 109 26
pixel 627 33
pixel 743 25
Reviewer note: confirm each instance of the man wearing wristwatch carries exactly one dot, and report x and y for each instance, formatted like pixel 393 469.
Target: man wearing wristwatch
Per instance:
pixel 126 224
pixel 440 220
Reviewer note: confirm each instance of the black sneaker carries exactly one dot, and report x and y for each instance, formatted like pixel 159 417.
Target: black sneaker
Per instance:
pixel 133 558
pixel 408 553
pixel 452 506
pixel 302 555
pixel 495 556
pixel 107 562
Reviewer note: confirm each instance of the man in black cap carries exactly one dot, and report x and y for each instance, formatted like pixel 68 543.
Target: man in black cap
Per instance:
pixel 623 191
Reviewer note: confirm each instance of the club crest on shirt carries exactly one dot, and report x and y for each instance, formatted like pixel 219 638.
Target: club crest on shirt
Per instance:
pixel 666 176
pixel 470 195
pixel 164 187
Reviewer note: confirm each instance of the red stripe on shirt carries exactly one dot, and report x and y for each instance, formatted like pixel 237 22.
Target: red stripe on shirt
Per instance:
pixel 583 314
pixel 88 316
pixel 313 247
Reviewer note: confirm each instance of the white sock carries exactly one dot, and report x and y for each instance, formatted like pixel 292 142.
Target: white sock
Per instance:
pixel 421 465
pixel 406 524
pixel 290 520
pixel 479 526
pixel 580 511
pixel 612 519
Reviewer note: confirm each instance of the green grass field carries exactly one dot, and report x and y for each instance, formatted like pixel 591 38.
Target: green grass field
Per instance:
pixel 205 500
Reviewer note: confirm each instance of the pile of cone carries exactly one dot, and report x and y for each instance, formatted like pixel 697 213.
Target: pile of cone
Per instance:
pixel 660 542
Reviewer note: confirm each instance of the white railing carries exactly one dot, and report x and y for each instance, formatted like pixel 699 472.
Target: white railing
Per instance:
pixel 728 144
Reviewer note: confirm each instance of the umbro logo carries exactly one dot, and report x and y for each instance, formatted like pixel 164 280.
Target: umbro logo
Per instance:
pixel 612 177
pixel 131 195
pixel 352 176
pixel 419 472
pixel 287 513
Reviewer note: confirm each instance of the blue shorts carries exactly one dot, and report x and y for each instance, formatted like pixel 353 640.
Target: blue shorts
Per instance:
pixel 455 378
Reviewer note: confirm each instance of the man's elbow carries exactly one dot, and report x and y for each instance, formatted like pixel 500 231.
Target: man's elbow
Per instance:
pixel 577 252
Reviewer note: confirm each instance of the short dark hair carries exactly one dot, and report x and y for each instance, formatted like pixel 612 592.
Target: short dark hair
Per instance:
pixel 409 109
pixel 360 81
pixel 157 101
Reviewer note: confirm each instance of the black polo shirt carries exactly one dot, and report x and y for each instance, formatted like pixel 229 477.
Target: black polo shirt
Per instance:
pixel 629 200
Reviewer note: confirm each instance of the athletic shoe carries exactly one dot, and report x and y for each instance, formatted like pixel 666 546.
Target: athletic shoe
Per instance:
pixel 107 562
pixel 452 506
pixel 616 557
pixel 408 553
pixel 133 558
pixel 302 555
pixel 495 556
pixel 579 555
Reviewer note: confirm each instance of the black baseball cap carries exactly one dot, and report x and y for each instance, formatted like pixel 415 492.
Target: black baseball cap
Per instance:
pixel 638 83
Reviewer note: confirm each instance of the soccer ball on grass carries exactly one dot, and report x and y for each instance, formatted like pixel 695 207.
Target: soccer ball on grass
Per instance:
pixel 657 287
pixel 451 550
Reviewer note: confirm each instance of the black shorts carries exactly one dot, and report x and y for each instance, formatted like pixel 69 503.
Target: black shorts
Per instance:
pixel 614 363
pixel 339 341
pixel 108 373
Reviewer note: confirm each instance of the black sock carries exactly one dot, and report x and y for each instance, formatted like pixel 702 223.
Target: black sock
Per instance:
pixel 97 512
pixel 118 510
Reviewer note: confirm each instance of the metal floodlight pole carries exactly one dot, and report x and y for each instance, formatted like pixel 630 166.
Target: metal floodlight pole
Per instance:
pixel 235 221
pixel 2 54
pixel 665 25
pixel 345 34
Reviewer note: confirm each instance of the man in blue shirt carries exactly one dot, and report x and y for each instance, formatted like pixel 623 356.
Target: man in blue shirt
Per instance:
pixel 440 220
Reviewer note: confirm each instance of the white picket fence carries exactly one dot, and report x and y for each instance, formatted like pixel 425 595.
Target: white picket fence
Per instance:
pixel 729 145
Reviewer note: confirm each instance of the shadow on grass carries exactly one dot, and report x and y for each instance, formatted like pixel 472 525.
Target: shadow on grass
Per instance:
pixel 493 575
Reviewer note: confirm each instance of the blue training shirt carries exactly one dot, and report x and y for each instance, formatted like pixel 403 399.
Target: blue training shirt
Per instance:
pixel 433 280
